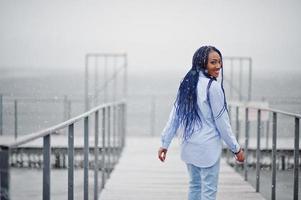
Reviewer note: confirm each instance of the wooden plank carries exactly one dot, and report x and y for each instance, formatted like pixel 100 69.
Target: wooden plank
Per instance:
pixel 140 175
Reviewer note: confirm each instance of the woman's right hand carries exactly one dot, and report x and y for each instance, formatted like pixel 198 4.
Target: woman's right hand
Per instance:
pixel 162 154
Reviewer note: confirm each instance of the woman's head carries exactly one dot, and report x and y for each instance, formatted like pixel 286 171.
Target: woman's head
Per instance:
pixel 207 60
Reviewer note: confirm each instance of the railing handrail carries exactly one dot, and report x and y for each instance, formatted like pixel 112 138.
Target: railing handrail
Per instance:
pixel 51 130
pixel 245 104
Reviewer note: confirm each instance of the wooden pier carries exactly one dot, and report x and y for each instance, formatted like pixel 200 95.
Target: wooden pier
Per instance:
pixel 140 175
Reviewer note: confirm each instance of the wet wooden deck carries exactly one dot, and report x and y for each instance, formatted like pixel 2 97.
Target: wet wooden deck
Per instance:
pixel 140 175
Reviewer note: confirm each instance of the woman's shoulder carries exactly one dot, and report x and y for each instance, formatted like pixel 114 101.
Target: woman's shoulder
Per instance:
pixel 216 88
pixel 216 85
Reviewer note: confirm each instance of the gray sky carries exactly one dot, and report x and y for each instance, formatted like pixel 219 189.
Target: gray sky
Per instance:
pixel 156 34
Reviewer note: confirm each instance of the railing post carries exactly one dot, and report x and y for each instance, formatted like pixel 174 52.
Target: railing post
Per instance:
pixel 228 152
pixel 46 167
pixel 1 114
pixel 105 78
pixel 103 152
pixel 240 80
pixel 237 123
pixel 119 128
pixel 71 162
pixel 65 101
pixel 96 167
pixel 231 79
pixel 4 173
pixel 274 155
pixel 250 80
pixel 86 158
pixel 258 151
pixel 87 83
pixel 246 144
pixel 230 113
pixel 237 126
pixel 125 77
pixel 109 139
pixel 114 135
pixel 16 118
pixel 296 158
pixel 124 125
pixel 96 81
pixel 67 108
pixel 117 131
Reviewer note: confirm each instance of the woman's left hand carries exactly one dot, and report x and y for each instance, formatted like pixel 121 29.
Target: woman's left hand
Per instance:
pixel 240 156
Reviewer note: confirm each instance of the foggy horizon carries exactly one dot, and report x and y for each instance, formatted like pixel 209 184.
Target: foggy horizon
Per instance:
pixel 155 35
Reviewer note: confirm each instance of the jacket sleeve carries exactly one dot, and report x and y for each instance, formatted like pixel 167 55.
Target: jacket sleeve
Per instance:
pixel 170 129
pixel 221 119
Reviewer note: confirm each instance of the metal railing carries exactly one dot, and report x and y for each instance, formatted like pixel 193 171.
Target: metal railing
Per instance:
pixel 16 111
pixel 120 71
pixel 275 114
pixel 113 130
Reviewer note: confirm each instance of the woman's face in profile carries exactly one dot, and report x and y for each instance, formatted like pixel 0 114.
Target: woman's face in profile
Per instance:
pixel 214 64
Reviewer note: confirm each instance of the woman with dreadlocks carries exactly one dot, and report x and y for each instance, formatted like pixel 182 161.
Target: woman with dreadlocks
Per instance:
pixel 201 110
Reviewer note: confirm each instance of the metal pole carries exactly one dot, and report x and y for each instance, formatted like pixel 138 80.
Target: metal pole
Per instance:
pixel 103 147
pixel 258 151
pixel 69 109
pixel 65 105
pixel 16 118
pixel 228 152
pixel 96 167
pixel 231 79
pixel 296 158
pixel 237 123
pixel 105 79
pixel 86 83
pixel 246 145
pixel 121 126
pixel 125 77
pixel 274 156
pixel 86 158
pixel 46 167
pixel 109 138
pixel 250 80
pixel 96 81
pixel 1 114
pixel 115 79
pixel 124 124
pixel 114 134
pixel 119 129
pixel 71 162
pixel 4 173
pixel 240 80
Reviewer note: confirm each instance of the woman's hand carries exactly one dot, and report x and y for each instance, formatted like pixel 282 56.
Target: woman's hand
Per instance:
pixel 240 156
pixel 162 154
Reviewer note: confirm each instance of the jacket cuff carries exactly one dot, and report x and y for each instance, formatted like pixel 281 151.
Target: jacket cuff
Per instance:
pixel 165 145
pixel 237 149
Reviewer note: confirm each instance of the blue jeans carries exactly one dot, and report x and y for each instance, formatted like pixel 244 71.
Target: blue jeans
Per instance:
pixel 203 182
